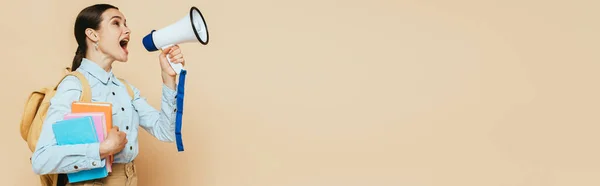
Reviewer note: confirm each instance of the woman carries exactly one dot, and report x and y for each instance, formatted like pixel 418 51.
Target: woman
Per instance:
pixel 102 34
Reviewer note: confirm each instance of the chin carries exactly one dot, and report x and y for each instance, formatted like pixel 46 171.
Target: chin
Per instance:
pixel 122 58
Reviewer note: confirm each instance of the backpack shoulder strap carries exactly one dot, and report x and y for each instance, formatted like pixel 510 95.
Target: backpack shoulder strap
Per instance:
pixel 86 93
pixel 129 89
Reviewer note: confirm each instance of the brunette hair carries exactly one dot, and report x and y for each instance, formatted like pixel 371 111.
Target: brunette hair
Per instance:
pixel 90 17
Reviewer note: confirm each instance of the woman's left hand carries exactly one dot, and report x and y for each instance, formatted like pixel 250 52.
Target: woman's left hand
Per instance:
pixel 175 55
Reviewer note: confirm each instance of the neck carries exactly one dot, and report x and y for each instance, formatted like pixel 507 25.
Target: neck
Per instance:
pixel 100 59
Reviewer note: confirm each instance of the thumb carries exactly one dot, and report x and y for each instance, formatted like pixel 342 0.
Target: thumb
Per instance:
pixel 116 128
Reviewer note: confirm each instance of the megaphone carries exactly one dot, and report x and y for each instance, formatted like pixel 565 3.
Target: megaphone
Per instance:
pixel 190 28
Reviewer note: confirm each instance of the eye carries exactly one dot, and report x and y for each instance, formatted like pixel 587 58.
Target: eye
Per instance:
pixel 116 23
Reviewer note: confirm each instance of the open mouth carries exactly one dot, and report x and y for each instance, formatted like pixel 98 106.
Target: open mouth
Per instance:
pixel 124 43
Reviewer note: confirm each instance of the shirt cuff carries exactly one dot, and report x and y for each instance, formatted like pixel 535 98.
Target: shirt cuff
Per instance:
pixel 169 95
pixel 92 159
pixel 93 155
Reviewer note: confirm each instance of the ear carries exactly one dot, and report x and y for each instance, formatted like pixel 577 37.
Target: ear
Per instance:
pixel 92 34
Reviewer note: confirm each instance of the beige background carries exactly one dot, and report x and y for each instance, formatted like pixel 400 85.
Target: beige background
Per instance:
pixel 346 93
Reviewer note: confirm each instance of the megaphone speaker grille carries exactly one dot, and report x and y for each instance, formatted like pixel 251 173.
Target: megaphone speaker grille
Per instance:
pixel 199 25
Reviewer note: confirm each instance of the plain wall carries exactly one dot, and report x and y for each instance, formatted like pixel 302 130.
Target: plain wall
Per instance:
pixel 344 93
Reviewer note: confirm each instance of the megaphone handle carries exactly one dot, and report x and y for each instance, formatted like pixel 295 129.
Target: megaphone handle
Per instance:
pixel 176 66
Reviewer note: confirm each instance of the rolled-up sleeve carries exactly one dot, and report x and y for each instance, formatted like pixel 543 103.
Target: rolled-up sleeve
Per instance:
pixel 160 124
pixel 50 158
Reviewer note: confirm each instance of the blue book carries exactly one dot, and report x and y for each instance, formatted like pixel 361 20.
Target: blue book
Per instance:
pixel 79 131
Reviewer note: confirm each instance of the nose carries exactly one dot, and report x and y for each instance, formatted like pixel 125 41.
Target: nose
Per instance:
pixel 127 31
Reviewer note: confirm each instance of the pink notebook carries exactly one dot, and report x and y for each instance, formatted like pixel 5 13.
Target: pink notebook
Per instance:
pixel 99 123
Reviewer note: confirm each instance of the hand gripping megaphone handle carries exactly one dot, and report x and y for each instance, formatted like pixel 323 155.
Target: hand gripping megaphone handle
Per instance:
pixel 176 66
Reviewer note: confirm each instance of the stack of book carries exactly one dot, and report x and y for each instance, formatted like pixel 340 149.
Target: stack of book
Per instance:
pixel 86 123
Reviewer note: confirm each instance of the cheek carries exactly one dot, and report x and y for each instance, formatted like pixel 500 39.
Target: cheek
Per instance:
pixel 110 40
pixel 110 36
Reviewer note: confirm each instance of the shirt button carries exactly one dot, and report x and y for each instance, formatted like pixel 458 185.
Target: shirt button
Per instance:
pixel 130 147
pixel 75 167
pixel 122 109
pixel 127 128
pixel 113 93
pixel 93 163
pixel 175 110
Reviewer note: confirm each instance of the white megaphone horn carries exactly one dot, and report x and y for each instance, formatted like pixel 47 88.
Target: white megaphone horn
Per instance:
pixel 190 28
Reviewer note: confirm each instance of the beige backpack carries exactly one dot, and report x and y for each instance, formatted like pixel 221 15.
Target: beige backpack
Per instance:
pixel 35 110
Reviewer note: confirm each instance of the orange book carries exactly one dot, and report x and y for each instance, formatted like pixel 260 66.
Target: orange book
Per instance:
pixel 104 107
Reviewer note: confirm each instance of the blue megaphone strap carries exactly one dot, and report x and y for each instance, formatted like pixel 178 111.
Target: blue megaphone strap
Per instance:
pixel 179 116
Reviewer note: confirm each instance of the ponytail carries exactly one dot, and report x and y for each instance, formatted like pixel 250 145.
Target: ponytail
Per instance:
pixel 79 55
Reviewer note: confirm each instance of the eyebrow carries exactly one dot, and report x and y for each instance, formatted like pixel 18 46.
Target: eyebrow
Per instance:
pixel 117 17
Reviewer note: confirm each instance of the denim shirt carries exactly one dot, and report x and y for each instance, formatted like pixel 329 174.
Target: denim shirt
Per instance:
pixel 128 114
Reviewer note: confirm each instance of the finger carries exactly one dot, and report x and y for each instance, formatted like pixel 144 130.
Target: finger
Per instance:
pixel 116 128
pixel 173 57
pixel 178 60
pixel 175 51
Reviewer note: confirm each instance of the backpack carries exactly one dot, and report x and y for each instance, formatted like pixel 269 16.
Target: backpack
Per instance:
pixel 34 114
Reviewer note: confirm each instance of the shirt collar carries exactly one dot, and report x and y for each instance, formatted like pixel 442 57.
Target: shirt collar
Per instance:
pixel 98 72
